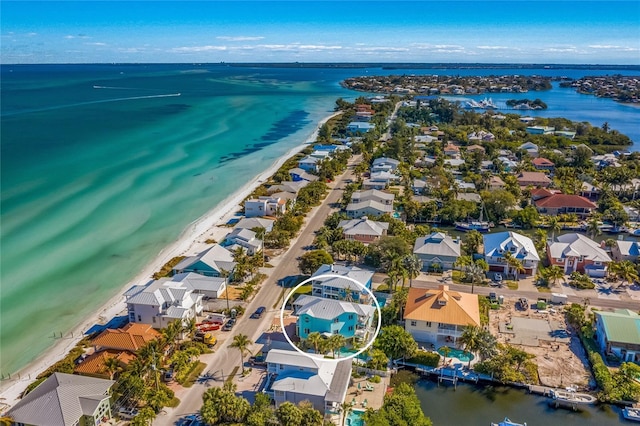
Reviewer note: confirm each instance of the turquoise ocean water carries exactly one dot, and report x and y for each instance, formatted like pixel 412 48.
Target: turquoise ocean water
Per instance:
pixel 102 166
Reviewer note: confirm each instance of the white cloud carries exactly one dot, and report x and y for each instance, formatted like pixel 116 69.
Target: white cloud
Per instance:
pixel 560 49
pixel 381 49
pixel 240 38
pixel 614 47
pixel 493 47
pixel 297 46
pixel 428 46
pixel 96 44
pixel 197 49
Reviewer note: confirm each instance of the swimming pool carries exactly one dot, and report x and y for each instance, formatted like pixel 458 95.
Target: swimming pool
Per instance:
pixel 345 352
pixel 457 353
pixel 354 418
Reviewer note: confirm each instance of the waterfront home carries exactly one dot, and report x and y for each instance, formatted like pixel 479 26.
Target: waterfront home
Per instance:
pixel 531 148
pixel 438 316
pixel 556 204
pixel 496 183
pixel 540 130
pixel 334 285
pixel 161 302
pixel 256 223
pixel 364 230
pixel 292 187
pixel 265 206
pixel 437 251
pixel 565 134
pixel 589 191
pixel 618 333
pixel 245 238
pixel 535 179
pixel 496 245
pixel 329 316
pixel 65 400
pixel 541 163
pixel 626 250
pixel 384 164
pixel 213 262
pixel 481 136
pixel 575 252
pixel 208 287
pixel 294 377
pixel 121 344
pixel 360 127
pixel 297 174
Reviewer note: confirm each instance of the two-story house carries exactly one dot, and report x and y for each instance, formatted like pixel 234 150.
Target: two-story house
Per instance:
pixel 576 252
pixel 556 204
pixel 535 179
pixel 618 333
pixel 265 206
pixel 437 249
pixel 541 163
pixel 439 316
pixel 384 164
pixel 496 245
pixel 245 238
pixel 329 316
pixel 370 203
pixel 215 261
pixel 336 282
pixel 161 302
pixel 626 250
pixel 297 174
pixel 294 377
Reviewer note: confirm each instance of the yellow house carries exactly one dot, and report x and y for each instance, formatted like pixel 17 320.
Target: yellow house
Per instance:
pixel 438 316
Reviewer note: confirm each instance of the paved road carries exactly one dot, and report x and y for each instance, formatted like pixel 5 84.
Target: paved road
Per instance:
pixel 531 295
pixel 220 364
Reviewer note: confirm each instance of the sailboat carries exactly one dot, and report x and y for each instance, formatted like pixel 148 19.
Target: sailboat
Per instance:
pixel 474 225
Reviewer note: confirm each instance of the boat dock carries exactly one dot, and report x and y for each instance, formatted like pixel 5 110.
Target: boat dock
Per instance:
pixel 445 374
pixel 540 390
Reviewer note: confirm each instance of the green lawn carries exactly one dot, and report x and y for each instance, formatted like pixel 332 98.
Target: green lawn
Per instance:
pixel 511 285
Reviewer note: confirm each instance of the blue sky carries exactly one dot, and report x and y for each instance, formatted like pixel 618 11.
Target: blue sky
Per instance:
pixel 602 32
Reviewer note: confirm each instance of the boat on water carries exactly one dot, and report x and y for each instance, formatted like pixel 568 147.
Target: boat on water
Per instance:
pixel 488 104
pixel 473 104
pixel 632 414
pixel 473 225
pixel 507 422
pixel 570 398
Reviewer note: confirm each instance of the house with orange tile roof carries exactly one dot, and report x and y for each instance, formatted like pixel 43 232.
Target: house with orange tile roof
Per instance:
pixel 439 316
pixel 496 183
pixel 541 163
pixel 95 364
pixel 451 150
pixel 556 204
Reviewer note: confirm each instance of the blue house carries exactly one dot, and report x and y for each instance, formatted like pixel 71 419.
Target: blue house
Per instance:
pixel 328 317
pixel 334 285
pixel 211 263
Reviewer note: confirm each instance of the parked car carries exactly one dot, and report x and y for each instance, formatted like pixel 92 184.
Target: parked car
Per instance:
pixel 493 298
pixel 497 277
pixel 258 313
pixel 168 375
pixel 127 413
pixel 258 360
pixel 229 325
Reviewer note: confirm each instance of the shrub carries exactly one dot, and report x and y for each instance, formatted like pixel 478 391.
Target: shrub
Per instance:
pixel 430 359
pixel 375 379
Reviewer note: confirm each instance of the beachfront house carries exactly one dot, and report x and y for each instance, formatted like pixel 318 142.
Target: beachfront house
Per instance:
pixel 297 174
pixel 254 223
pixel 330 316
pixel 265 206
pixel 329 282
pixel 618 333
pixel 294 377
pixel 121 344
pixel 437 251
pixel 576 252
pixel 360 127
pixel 244 238
pixel 364 230
pixel 215 261
pixel 161 302
pixel 496 245
pixel 438 316
pixel 65 400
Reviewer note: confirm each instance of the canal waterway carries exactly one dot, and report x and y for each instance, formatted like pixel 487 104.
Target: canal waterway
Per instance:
pixel 481 405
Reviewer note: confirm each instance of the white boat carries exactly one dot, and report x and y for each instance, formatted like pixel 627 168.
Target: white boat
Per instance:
pixel 488 104
pixel 473 225
pixel 473 104
pixel 632 414
pixel 571 397
pixel 507 422
pixel 522 106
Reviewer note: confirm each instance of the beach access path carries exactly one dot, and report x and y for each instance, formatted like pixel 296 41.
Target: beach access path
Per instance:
pixel 221 363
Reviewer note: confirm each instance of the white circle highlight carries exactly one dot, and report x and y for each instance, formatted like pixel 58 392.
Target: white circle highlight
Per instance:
pixel 367 346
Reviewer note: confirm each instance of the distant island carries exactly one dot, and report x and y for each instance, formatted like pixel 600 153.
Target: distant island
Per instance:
pixel 448 85
pixel 526 104
pixel 620 88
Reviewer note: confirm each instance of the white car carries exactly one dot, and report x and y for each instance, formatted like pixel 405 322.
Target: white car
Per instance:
pixel 497 277
pixel 125 413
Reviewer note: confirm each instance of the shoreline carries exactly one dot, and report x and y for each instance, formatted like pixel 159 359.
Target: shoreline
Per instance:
pixel 190 241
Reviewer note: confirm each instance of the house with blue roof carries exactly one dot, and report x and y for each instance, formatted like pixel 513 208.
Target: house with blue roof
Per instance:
pixel 329 316
pixel 497 245
pixel 618 333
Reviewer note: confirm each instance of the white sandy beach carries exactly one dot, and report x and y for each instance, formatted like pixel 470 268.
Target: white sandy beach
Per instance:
pixel 190 242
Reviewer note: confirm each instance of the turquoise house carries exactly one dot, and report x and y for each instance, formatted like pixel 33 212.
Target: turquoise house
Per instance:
pixel 213 262
pixel 329 316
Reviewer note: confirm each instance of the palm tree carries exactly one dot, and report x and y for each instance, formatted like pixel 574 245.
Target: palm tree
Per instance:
pixel 241 342
pixel 554 225
pixel 554 273
pixel 171 333
pixel 336 341
pixel 471 339
pixel 413 265
pixel 345 409
pixel 445 353
pixel 514 263
pixel 112 366
pixel 472 242
pixel 625 270
pixel 315 339
pixel 6 420
pixel 593 226
pixel 474 273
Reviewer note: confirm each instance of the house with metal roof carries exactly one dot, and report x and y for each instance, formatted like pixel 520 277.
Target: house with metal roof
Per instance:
pixel 437 248
pixel 626 250
pixel 364 230
pixel 65 400
pixel 297 175
pixel 329 282
pixel 161 302
pixel 210 263
pixel 496 245
pixel 245 238
pixel 369 208
pixel 294 377
pixel 256 222
pixel 384 164
pixel 329 316
pixel 265 206
pixel 439 316
pixel 576 252
pixel 618 333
